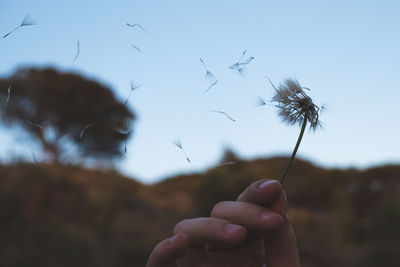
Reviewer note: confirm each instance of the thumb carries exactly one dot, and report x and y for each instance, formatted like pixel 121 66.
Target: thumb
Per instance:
pixel 281 247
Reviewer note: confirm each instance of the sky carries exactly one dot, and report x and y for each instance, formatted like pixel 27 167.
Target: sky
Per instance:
pixel 346 52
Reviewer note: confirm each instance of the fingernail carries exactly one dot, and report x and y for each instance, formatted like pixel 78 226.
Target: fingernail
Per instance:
pixel 265 216
pixel 173 239
pixel 232 228
pixel 266 183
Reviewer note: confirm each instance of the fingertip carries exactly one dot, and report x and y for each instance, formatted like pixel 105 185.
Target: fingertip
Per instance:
pixel 270 185
pixel 231 236
pixel 169 250
pixel 180 240
pixel 262 192
pixel 270 221
pixel 235 233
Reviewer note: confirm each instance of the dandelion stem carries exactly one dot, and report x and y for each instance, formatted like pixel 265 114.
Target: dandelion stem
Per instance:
pixel 303 127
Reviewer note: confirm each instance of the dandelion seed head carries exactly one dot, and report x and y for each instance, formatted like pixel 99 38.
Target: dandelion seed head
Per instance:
pixel 28 20
pixel 235 66
pixel 178 143
pixel 135 86
pixel 260 101
pixel 209 75
pixel 294 105
pixel 242 71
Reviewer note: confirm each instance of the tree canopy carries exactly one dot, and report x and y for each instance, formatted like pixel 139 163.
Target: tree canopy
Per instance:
pixel 68 115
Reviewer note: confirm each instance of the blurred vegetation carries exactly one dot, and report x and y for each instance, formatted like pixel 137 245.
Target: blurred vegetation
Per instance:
pixel 70 116
pixel 60 215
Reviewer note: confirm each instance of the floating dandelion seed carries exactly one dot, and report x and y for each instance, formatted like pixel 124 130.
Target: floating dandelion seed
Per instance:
pixel 34 157
pixel 240 65
pixel 235 66
pixel 134 25
pixel 242 71
pixel 243 53
pixel 260 101
pixel 202 62
pixel 78 50
pixel 84 129
pixel 178 143
pixel 295 107
pixel 247 61
pixel 122 131
pixel 34 124
pixel 211 86
pixel 27 21
pixel 224 113
pixel 209 76
pixel 137 48
pixel 226 163
pixel 133 88
pixel 8 96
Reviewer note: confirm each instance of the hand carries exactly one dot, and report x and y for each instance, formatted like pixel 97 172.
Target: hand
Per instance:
pixel 254 231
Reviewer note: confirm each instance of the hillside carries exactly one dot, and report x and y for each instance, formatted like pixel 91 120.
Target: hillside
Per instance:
pixel 53 215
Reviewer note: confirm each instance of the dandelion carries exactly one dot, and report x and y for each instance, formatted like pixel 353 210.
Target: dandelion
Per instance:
pixel 224 113
pixel 295 107
pixel 84 129
pixel 78 50
pixel 178 143
pixel 27 21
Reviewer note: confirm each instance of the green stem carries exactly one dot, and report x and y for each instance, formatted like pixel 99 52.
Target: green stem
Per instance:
pixel 303 127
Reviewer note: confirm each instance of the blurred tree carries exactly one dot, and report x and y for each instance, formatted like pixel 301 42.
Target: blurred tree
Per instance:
pixel 229 156
pixel 69 115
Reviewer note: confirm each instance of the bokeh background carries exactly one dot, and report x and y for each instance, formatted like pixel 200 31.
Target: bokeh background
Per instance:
pixel 106 198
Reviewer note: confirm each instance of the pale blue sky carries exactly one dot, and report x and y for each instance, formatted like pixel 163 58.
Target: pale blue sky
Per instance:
pixel 347 52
